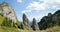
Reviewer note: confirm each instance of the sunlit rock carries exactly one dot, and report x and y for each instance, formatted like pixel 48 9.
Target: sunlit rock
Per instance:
pixel 35 25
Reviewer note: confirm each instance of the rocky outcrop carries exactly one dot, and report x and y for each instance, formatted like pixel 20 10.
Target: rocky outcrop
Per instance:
pixel 35 25
pixel 26 21
pixel 43 23
pixel 54 18
pixel 8 11
pixel 49 14
pixel 47 21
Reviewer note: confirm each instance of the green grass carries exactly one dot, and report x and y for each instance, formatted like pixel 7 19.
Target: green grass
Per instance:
pixel 8 29
pixel 1 19
pixel 52 29
pixel 12 29
pixel 5 28
pixel 57 29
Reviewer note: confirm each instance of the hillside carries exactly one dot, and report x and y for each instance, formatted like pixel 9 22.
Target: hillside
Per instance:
pixel 10 23
pixel 5 28
pixel 50 21
pixel 1 19
pixel 58 16
pixel 13 29
pixel 55 28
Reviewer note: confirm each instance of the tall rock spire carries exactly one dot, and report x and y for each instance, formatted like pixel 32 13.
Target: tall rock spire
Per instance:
pixel 26 21
pixel 35 25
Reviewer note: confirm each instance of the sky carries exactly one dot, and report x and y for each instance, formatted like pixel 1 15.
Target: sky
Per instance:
pixel 33 8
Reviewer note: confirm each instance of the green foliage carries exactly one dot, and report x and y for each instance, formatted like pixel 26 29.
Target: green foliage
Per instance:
pixel 7 22
pixel 4 21
pixel 1 14
pixel 8 29
pixel 23 26
pixel 14 25
pixel 58 17
pixel 1 19
pixel 0 6
pixel 19 25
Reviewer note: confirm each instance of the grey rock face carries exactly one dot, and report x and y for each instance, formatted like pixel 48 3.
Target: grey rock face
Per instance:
pixel 26 21
pixel 35 25
pixel 8 11
pixel 54 18
pixel 48 21
pixel 49 14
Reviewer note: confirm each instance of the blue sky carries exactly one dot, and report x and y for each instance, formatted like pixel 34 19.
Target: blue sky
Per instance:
pixel 33 8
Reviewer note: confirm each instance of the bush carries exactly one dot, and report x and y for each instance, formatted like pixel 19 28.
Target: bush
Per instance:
pixel 23 26
pixel 20 25
pixel 1 14
pixel 7 22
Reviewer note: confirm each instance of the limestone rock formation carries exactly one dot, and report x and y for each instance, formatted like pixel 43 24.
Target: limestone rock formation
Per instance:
pixel 54 18
pixel 26 21
pixel 47 21
pixel 57 17
pixel 43 23
pixel 8 11
pixel 35 25
pixel 49 14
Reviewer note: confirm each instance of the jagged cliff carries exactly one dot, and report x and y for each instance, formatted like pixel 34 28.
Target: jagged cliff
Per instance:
pixel 50 20
pixel 8 11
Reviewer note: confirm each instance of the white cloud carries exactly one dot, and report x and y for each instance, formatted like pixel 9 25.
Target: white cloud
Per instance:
pixel 37 6
pixel 50 1
pixel 26 11
pixel 20 1
pixel 58 1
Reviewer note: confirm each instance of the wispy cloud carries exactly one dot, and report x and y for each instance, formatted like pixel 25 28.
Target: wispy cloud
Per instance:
pixel 19 1
pixel 26 11
pixel 37 6
pixel 41 5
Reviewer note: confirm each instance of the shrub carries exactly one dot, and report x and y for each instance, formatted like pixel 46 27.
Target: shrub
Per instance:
pixel 1 14
pixel 20 25
pixel 23 26
pixel 7 22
